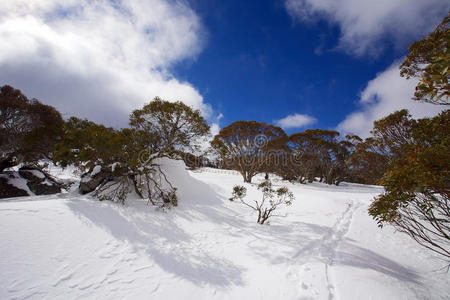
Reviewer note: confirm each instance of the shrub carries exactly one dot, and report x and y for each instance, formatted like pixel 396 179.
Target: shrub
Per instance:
pixel 271 199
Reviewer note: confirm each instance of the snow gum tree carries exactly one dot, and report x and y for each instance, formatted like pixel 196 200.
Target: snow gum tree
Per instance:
pixel 429 61
pixel 177 125
pixel 129 159
pixel 316 153
pixel 28 129
pixel 245 146
pixel 367 163
pixel 417 185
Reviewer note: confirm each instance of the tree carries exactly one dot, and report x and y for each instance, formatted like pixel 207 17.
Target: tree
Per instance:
pixel 417 185
pixel 366 163
pixel 129 159
pixel 318 153
pixel 246 145
pixel 302 162
pixel 86 144
pixel 177 125
pixel 429 61
pixel 271 199
pixel 371 158
pixel 28 128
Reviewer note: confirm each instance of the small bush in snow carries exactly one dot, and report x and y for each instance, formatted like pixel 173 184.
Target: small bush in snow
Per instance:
pixel 271 199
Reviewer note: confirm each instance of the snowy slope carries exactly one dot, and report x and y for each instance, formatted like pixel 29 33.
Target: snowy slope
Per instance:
pixel 324 246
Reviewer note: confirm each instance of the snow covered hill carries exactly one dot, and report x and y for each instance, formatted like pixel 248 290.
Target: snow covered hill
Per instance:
pixel 324 246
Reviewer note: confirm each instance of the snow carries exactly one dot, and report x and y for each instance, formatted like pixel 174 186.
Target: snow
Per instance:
pixel 86 178
pixel 96 170
pixel 324 246
pixel 114 166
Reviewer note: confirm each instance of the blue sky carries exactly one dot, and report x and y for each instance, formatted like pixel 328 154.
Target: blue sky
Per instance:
pixel 260 65
pixel 300 64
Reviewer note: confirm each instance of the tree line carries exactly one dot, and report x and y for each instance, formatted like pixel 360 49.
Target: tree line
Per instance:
pixel 115 162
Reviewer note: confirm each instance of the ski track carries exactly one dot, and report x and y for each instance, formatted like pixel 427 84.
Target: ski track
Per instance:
pixel 324 250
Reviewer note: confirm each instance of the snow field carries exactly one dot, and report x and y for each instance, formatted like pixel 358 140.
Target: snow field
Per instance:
pixel 324 246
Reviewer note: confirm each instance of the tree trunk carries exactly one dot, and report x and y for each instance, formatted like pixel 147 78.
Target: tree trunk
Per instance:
pixel 136 188
pixel 247 177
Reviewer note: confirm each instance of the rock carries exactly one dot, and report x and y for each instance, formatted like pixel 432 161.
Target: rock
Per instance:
pixel 39 183
pixel 44 188
pixel 92 179
pixel 8 190
pixel 32 174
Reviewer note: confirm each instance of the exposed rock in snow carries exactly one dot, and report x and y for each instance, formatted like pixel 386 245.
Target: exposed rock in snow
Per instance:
pixel 92 179
pixel 8 189
pixel 27 182
pixel 39 183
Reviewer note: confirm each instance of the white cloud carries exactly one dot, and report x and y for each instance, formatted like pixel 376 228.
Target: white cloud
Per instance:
pixel 215 127
pixel 214 130
pixel 295 121
pixel 366 24
pixel 99 59
pixel 383 95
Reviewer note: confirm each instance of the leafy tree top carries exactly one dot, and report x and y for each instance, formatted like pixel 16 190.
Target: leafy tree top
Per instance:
pixel 429 60
pixel 177 125
pixel 28 128
pixel 247 136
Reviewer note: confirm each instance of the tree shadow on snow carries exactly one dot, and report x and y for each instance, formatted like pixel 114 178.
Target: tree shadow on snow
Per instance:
pixel 358 257
pixel 159 236
pixel 316 243
pixel 174 247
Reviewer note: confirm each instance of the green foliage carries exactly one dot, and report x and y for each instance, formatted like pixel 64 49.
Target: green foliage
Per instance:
pixel 366 163
pixel 239 192
pixel 429 60
pixel 417 184
pixel 176 125
pixel 28 128
pixel 130 155
pixel 86 144
pixel 271 199
pixel 393 132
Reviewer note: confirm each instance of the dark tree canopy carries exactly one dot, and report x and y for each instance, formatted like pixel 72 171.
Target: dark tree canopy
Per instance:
pixel 86 144
pixel 177 125
pixel 245 146
pixel 429 61
pixel 317 153
pixel 367 163
pixel 28 128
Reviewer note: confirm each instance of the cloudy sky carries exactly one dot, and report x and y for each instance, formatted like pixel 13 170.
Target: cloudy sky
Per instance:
pixel 300 64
